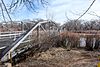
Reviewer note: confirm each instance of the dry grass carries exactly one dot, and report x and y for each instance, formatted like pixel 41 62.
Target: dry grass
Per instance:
pixel 44 54
pixel 59 57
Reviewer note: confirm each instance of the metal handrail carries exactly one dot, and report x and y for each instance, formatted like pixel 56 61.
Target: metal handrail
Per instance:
pixel 4 54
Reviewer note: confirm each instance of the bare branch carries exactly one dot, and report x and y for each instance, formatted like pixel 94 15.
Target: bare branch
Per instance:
pixel 7 11
pixel 94 14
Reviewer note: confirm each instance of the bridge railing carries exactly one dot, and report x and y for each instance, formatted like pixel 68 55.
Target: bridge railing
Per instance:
pixel 13 34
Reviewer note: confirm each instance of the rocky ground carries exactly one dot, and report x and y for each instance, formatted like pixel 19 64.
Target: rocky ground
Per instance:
pixel 59 57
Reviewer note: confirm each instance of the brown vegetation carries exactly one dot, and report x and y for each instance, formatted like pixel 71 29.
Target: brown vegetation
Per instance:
pixel 60 57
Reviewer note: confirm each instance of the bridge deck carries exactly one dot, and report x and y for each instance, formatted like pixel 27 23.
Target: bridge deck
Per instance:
pixel 6 42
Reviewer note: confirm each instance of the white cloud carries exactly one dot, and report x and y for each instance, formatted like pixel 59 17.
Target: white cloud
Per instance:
pixel 57 9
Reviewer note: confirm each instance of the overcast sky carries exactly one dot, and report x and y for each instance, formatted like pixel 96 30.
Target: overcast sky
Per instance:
pixel 57 10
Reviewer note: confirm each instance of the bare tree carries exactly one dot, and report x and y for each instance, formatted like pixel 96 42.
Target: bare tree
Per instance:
pixel 30 4
pixel 13 5
pixel 72 25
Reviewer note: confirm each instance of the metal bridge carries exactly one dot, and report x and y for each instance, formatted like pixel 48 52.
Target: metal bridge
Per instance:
pixel 16 40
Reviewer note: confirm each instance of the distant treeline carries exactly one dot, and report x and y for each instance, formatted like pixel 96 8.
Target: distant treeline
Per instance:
pixel 73 25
